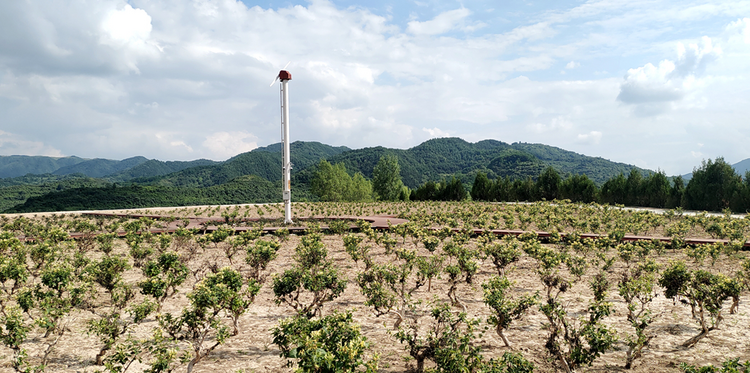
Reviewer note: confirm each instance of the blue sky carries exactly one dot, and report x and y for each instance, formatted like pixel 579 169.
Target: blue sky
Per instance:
pixel 659 84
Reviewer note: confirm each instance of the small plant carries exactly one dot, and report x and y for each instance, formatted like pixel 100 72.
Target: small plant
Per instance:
pixel 447 340
pixel 355 249
pixel 388 288
pixel 503 254
pixel 163 276
pixel 258 257
pixel 312 281
pixel 510 362
pixel 461 263
pixel 705 292
pixel 282 234
pixel 505 309
pixel 728 366
pixel 572 342
pixel 332 344
pixel 637 288
pixel 338 226
pixel 431 243
pixel 218 295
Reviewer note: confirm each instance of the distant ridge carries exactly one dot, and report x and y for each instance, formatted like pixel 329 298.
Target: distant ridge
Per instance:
pixel 439 158
pixel 99 167
pixel 433 160
pixel 20 165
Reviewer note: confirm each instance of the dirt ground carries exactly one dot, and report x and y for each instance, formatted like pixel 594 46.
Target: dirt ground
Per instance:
pixel 253 351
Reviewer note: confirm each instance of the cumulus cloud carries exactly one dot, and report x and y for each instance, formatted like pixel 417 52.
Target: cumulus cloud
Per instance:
pixel 651 88
pixel 436 132
pixel 175 79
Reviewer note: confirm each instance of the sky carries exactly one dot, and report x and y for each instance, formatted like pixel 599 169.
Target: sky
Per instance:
pixel 659 84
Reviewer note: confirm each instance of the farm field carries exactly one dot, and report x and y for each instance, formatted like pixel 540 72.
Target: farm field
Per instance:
pixel 142 290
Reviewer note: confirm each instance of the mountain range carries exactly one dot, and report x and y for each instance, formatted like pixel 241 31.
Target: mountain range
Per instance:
pixel 41 180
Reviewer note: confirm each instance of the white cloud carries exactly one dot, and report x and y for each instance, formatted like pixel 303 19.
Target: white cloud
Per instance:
pixel 441 24
pixel 225 145
pixel 651 88
pixel 84 77
pixel 16 145
pixel 436 132
pixel 556 123
pixel 742 27
pixel 592 137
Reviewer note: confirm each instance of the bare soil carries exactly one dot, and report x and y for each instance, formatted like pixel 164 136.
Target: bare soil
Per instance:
pixel 253 351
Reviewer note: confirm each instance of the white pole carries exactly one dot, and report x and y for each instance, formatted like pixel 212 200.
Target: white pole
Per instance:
pixel 286 159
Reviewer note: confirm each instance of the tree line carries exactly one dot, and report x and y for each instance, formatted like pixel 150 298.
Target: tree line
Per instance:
pixel 715 186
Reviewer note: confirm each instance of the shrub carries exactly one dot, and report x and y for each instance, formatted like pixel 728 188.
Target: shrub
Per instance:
pixel 704 291
pixel 218 295
pixel 332 344
pixel 505 309
pixel 313 274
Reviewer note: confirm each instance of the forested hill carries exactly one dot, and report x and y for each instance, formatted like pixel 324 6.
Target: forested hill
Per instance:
pixel 153 167
pixel 305 151
pixel 264 162
pixel 433 160
pixel 20 165
pixel 100 167
pixel 439 158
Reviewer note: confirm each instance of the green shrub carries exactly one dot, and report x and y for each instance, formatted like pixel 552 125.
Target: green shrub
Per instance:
pixel 330 344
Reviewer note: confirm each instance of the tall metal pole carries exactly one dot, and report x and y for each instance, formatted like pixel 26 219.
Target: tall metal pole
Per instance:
pixel 286 159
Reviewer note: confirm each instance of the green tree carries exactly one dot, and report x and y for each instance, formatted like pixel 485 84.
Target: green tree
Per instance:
pixel 386 178
pixel 676 192
pixel 332 183
pixel 634 188
pixel 578 188
pixel 549 183
pixel 712 186
pixel 453 190
pixel 656 190
pixel 481 189
pixel 614 191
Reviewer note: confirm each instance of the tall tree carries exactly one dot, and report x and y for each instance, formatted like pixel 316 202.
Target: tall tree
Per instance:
pixel 578 188
pixel 386 178
pixel 333 183
pixel 548 184
pixel 712 187
pixel 614 190
pixel 676 192
pixel 655 190
pixel 481 189
pixel 634 188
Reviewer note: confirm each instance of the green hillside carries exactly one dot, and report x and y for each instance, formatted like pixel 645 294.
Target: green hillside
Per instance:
pixel 567 162
pixel 100 167
pixel 153 168
pixel 263 162
pixel 19 165
pixel 13 195
pixel 208 182
pixel 305 153
pixel 245 189
pixel 439 158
